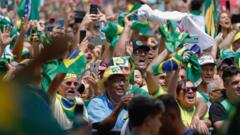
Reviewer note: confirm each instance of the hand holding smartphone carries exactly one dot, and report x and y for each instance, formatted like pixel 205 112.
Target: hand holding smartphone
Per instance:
pixel 83 34
pixel 93 9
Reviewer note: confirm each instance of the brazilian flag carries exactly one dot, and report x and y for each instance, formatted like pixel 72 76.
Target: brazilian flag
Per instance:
pixel 172 38
pixel 29 8
pixel 112 32
pixel 211 17
pixel 75 63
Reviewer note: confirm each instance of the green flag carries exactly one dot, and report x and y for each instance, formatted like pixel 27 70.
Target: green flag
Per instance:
pixel 49 72
pixel 237 59
pixel 124 14
pixel 75 63
pixel 29 8
pixel 172 38
pixel 112 32
pixel 193 69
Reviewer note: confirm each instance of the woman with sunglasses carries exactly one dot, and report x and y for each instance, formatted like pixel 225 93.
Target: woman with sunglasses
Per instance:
pixel 186 97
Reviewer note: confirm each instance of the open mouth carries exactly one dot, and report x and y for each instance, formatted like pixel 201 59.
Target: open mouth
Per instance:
pixel 70 91
pixel 190 98
pixel 120 91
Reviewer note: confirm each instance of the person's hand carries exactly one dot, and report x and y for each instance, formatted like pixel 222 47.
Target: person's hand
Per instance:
pixel 5 38
pixel 25 25
pixel 219 38
pixel 102 16
pixel 186 55
pixel 89 18
pixel 152 41
pixel 125 99
pixel 194 122
pixel 202 127
pixel 127 22
pixel 10 73
pixel 84 44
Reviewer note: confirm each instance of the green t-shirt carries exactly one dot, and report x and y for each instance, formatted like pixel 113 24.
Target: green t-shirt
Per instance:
pixel 137 91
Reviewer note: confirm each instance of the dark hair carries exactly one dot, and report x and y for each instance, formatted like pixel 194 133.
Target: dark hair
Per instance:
pixel 196 4
pixel 181 85
pixel 229 72
pixel 170 104
pixel 141 107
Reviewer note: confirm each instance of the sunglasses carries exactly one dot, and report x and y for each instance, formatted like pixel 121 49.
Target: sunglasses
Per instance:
pixel 70 83
pixel 194 89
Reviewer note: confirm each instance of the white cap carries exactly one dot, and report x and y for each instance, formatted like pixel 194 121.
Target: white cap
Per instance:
pixel 206 59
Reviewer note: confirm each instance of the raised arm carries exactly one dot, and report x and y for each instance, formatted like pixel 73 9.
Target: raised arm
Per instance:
pixel 120 49
pixel 217 41
pixel 173 81
pixel 152 83
pixel 53 87
pixel 18 47
pixel 226 43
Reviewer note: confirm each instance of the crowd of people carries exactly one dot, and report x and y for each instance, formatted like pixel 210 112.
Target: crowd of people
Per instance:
pixel 120 67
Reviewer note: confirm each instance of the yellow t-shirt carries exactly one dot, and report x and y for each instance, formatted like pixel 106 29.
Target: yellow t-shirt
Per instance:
pixel 160 92
pixel 187 116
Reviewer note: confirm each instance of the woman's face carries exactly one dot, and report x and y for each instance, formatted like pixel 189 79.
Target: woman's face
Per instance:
pixel 225 21
pixel 138 80
pixel 187 95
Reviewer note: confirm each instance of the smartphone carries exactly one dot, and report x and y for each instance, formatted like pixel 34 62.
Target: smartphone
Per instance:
pixel 94 68
pixel 79 15
pixel 95 40
pixel 61 22
pixel 93 9
pixel 228 4
pixel 81 88
pixel 235 18
pixel 83 34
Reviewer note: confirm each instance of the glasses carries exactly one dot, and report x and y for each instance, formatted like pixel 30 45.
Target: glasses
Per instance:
pixel 70 83
pixel 118 80
pixel 187 89
pixel 218 90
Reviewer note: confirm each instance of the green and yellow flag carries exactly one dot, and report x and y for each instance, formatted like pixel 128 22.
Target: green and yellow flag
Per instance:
pixel 193 69
pixel 112 32
pixel 172 38
pixel 75 63
pixel 211 17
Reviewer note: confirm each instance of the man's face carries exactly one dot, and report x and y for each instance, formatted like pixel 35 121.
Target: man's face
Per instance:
pixel 116 86
pixel 68 88
pixel 233 85
pixel 214 95
pixel 207 72
pixel 141 59
pixel 163 81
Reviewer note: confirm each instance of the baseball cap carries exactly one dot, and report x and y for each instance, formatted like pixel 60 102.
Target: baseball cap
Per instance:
pixel 236 37
pixel 111 70
pixel 227 53
pixel 139 44
pixel 206 59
